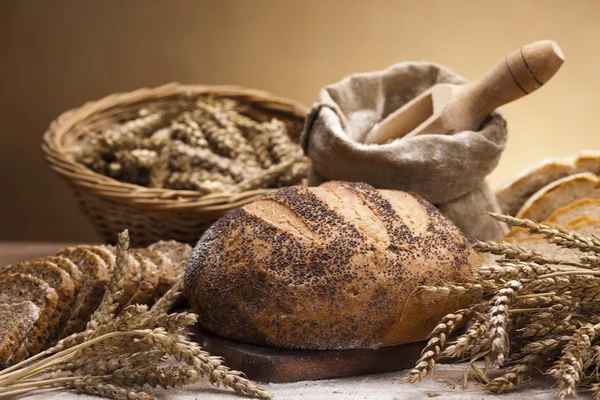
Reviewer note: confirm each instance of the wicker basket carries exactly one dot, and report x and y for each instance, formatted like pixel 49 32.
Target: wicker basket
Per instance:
pixel 150 214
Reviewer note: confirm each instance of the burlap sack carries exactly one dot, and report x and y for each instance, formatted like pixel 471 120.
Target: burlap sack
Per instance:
pixel 447 170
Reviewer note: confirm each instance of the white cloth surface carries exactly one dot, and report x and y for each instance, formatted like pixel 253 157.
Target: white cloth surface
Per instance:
pixel 446 384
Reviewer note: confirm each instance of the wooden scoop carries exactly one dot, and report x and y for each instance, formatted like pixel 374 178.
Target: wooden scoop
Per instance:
pixel 447 109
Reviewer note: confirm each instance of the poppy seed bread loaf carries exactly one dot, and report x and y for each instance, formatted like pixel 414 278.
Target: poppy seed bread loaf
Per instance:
pixel 329 267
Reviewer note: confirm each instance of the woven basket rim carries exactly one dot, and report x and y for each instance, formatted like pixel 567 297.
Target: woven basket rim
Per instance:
pixel 156 198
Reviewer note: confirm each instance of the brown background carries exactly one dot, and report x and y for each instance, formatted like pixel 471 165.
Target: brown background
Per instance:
pixel 55 55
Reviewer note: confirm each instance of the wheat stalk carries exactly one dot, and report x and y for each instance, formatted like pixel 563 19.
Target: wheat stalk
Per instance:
pixel 457 290
pixel 436 345
pixel 168 300
pixel 498 334
pixel 470 339
pixel 557 235
pixel 514 376
pixel 542 316
pixel 105 312
pixel 515 252
pixel 115 353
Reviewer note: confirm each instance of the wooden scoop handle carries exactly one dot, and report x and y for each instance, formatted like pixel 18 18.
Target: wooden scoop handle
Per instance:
pixel 523 71
pixel 448 109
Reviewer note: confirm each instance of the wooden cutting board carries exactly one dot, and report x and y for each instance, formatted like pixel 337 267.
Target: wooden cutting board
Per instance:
pixel 275 365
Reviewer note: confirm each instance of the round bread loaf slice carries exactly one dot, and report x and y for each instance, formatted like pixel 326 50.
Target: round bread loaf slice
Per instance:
pixel 17 321
pixel 584 207
pixel 559 194
pixel 329 267
pixel 104 252
pixel 96 279
pixel 16 288
pixel 177 252
pixel 69 267
pixel 165 270
pixel 585 225
pixel 58 279
pixel 513 194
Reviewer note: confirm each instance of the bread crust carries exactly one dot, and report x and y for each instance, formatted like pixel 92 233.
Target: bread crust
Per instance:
pixel 585 225
pixel 332 267
pixel 96 280
pixel 559 194
pixel 513 194
pixel 584 207
pixel 69 267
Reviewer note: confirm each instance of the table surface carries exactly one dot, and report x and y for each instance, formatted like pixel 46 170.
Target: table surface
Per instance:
pixel 446 382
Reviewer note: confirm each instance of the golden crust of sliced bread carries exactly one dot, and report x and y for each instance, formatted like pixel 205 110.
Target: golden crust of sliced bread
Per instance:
pixel 513 194
pixel 16 288
pixel 559 194
pixel 585 225
pixel 96 279
pixel 17 321
pixel 102 251
pixel 147 286
pixel 585 207
pixel 69 267
pixel 58 279
pixel 581 209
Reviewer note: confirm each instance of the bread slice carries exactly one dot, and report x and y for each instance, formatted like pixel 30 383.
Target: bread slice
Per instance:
pixel 588 161
pixel 178 252
pixel 17 288
pixel 95 281
pixel 513 194
pixel 69 267
pixel 166 270
pixel 147 286
pixel 585 225
pixel 17 321
pixel 58 279
pixel 584 207
pixel 104 252
pixel 559 194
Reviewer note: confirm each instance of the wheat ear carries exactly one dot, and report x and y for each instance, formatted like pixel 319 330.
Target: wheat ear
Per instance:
pixel 557 235
pixel 436 345
pixel 106 311
pixel 515 252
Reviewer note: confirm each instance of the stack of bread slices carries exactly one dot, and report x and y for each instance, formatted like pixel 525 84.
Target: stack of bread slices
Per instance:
pixel 562 192
pixel 44 300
